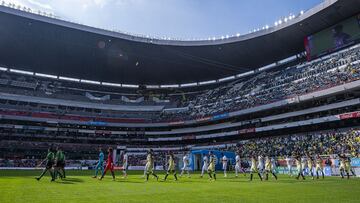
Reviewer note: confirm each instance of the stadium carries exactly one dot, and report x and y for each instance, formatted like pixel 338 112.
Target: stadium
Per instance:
pixel 97 115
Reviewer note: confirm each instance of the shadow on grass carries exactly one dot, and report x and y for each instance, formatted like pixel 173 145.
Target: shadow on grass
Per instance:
pixel 74 180
pixel 64 182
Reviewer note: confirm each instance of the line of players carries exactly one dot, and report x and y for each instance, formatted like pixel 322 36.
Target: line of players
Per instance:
pixel 311 164
pixel 259 165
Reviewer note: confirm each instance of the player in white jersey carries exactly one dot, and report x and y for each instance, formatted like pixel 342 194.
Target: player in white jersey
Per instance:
pixel 319 167
pixel 310 165
pixel 211 167
pixel 205 165
pixel 125 164
pixel 303 165
pixel 260 165
pixel 299 167
pixel 254 168
pixel 224 161
pixel 186 165
pixel 149 167
pixel 289 162
pixel 269 168
pixel 238 164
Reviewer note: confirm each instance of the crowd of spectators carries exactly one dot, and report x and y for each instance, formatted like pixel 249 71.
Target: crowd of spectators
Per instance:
pixel 322 143
pixel 271 86
pixel 262 88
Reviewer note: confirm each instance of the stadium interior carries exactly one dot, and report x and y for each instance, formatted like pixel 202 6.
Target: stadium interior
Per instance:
pixel 81 88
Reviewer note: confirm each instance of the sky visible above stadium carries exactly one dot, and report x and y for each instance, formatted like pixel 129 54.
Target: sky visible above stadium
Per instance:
pixel 185 19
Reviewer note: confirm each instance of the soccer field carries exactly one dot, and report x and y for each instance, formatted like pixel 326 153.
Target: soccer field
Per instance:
pixel 21 186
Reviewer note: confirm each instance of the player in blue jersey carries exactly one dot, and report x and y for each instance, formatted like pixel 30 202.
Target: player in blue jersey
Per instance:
pixel 100 163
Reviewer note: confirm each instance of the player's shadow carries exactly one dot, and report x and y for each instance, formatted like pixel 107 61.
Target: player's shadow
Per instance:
pixel 72 180
pixel 65 183
pixel 129 181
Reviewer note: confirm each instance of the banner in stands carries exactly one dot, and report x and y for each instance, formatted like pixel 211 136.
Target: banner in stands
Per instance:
pixel 350 115
pixel 244 131
pixel 203 119
pixel 221 116
pixel 96 123
pixel 177 123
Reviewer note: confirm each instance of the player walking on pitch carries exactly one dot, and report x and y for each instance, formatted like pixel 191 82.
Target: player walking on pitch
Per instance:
pixel 211 168
pixel 289 162
pixel 149 167
pixel 125 164
pixel 310 165
pixel 254 168
pixel 59 163
pixel 260 165
pixel 319 167
pixel 171 167
pixel 205 165
pixel 269 168
pixel 49 164
pixel 100 163
pixel 238 164
pixel 109 164
pixel 224 161
pixel 186 166
pixel 299 167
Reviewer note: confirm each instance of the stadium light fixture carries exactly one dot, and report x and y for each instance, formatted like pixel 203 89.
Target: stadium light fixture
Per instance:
pixel 130 86
pixel 276 23
pixel 237 34
pixel 301 12
pixel 286 19
pixel 3 69
pixel 188 84
pixel 153 86
pixel 244 74
pixel 227 78
pixel 207 82
pixel 267 27
pixel 169 86
pixel 21 72
pixel 69 79
pixel 46 75
pixel 111 84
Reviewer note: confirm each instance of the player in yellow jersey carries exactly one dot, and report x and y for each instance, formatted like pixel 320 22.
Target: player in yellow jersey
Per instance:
pixel 254 168
pixel 299 167
pixel 149 167
pixel 319 167
pixel 268 168
pixel 211 167
pixel 343 169
pixel 310 165
pixel 171 166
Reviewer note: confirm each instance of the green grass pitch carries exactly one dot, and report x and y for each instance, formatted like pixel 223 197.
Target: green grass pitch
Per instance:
pixel 21 186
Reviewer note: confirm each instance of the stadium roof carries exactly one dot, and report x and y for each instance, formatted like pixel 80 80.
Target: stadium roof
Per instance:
pixel 47 45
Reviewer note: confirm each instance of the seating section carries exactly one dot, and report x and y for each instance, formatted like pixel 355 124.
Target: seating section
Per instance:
pixel 271 86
